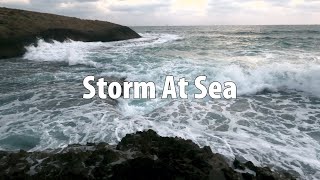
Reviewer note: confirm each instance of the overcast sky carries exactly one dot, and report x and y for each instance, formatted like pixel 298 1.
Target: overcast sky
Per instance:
pixel 180 12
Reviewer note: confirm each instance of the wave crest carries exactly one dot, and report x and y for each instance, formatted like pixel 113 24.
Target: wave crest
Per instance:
pixel 77 52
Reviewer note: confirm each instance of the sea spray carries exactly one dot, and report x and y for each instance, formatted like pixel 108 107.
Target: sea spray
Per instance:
pixel 274 120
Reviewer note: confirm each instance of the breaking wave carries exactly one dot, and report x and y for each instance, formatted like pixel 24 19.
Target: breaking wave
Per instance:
pixel 250 79
pixel 275 120
pixel 78 52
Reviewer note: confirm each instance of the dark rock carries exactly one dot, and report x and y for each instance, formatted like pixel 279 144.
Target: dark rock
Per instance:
pixel 251 166
pixel 19 28
pixel 144 155
pixel 238 165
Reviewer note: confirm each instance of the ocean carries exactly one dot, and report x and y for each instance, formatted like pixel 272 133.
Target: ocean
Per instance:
pixel 275 120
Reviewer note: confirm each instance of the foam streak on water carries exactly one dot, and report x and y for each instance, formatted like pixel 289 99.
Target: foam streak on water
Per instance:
pixel 275 121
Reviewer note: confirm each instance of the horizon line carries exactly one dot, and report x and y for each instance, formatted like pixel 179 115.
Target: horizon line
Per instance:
pixel 224 25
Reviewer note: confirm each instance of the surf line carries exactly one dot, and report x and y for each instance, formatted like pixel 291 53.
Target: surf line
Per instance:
pixel 147 90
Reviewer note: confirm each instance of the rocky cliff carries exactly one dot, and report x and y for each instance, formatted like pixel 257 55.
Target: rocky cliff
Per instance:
pixel 144 155
pixel 19 28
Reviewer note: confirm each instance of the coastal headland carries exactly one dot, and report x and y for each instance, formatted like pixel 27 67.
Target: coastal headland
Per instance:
pixel 19 28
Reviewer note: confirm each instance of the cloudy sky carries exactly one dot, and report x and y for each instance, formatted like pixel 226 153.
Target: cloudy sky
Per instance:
pixel 180 12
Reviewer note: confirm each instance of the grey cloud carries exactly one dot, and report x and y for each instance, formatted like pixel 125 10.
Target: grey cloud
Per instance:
pixel 83 8
pixel 230 6
pixel 223 6
pixel 139 8
pixel 153 13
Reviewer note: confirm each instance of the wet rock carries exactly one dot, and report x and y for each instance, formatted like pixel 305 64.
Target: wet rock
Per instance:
pixel 238 165
pixel 143 155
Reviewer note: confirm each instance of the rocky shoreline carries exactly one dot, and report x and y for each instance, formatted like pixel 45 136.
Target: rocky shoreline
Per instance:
pixel 143 155
pixel 19 28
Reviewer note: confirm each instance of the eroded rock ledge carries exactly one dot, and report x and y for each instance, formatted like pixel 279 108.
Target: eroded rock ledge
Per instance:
pixel 19 28
pixel 144 155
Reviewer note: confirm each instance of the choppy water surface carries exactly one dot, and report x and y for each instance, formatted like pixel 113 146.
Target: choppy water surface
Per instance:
pixel 275 121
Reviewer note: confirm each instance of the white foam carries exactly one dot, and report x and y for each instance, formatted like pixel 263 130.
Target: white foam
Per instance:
pixel 77 52
pixel 133 59
pixel 250 79
pixel 273 76
pixel 69 51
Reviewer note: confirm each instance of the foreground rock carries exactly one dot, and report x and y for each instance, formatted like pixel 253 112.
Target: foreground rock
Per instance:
pixel 19 28
pixel 143 155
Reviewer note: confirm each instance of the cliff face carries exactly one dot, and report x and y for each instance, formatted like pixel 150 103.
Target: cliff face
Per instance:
pixel 143 155
pixel 19 28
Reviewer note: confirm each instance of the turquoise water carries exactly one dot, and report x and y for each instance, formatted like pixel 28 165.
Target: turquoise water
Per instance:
pixel 275 121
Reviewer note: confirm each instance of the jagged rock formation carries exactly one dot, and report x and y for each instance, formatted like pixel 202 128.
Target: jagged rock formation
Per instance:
pixel 144 155
pixel 19 28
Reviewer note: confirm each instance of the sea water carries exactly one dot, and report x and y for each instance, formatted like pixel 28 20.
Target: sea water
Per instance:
pixel 275 120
